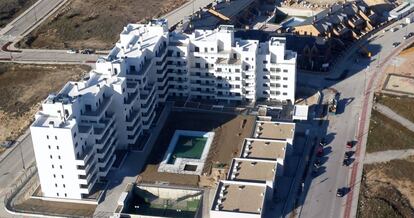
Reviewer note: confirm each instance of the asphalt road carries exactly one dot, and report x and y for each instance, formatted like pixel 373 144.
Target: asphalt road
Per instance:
pixel 177 15
pixel 321 200
pixel 11 167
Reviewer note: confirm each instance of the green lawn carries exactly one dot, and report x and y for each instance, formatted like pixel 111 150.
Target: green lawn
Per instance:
pixel 386 134
pixel 403 106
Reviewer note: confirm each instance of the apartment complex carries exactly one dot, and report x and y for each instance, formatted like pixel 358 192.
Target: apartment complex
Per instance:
pixel 251 180
pixel 349 20
pixel 78 129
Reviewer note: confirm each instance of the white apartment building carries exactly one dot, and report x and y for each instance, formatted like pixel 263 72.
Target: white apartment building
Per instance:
pixel 78 129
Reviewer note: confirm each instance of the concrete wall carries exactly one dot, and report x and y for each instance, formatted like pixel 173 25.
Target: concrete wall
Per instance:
pixel 298 11
pixel 169 192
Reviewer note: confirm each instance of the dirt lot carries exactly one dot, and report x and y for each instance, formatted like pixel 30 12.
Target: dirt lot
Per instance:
pixel 226 144
pixel 387 190
pixel 10 9
pixel 403 106
pixel 94 23
pixel 386 134
pixel 23 86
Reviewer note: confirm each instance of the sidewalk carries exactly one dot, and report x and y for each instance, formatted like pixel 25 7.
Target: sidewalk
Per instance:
pixel 394 116
pixel 15 145
pixel 385 156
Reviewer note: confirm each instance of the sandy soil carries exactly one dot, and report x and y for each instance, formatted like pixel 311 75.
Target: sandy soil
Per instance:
pixel 23 86
pixel 387 189
pixel 94 23
pixel 226 144
pixel 402 65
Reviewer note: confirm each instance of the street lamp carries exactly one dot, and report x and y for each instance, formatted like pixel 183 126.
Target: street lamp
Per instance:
pixel 21 155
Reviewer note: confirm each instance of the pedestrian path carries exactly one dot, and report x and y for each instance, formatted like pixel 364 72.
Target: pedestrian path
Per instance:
pixel 394 116
pixel 385 156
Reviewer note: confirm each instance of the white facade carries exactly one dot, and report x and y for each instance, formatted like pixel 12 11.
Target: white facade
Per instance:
pixel 77 131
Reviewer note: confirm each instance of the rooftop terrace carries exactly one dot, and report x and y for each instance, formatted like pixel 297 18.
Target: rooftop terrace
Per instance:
pixel 264 149
pixel 274 130
pixel 250 170
pixel 239 197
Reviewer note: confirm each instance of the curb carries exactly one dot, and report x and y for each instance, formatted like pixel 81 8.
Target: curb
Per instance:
pixel 7 152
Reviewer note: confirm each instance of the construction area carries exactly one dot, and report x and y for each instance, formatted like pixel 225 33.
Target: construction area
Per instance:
pixel 387 190
pixel 25 86
pixel 386 187
pixel 93 24
pixel 229 132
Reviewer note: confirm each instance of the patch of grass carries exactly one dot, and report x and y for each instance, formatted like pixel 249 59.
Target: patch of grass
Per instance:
pixel 386 134
pixel 403 105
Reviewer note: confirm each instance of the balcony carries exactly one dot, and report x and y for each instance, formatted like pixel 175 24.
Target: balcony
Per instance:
pixel 104 170
pixel 86 157
pixel 131 98
pixel 100 110
pixel 133 116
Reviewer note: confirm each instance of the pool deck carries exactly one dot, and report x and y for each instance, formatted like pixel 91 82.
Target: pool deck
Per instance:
pixel 181 163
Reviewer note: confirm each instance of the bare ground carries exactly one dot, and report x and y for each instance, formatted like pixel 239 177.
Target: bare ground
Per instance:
pixel 229 135
pixel 10 9
pixel 23 86
pixel 387 190
pixel 94 23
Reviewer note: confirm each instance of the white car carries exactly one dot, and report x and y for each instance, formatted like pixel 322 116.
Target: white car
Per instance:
pixel 72 51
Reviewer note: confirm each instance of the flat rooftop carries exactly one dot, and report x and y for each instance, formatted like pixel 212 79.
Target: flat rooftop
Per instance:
pixel 274 130
pixel 264 149
pixel 239 197
pixel 251 170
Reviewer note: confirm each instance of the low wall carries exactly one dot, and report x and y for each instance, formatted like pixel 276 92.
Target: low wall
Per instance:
pixel 298 11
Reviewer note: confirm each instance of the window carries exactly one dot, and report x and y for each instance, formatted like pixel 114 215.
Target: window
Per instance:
pixel 237 78
pixel 265 62
pixel 53 166
pixel 264 85
pixel 277 69
pixel 284 93
pixel 51 157
pixel 48 146
pixel 56 185
pixel 63 177
pixel 285 78
pixel 285 86
pixel 54 175
pixel 57 194
pixel 64 186
pixel 196 49
pixel 74 135
pixel 66 195
pixel 205 49
pixel 59 158
pixel 60 166
pixel 55 137
pixel 285 71
pixel 57 147
pixel 197 65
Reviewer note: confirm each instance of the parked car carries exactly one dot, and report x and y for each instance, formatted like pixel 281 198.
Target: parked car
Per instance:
pixel 88 51
pixel 72 51
pixel 349 144
pixel 319 151
pixel 6 144
pixel 340 192
pixel 395 44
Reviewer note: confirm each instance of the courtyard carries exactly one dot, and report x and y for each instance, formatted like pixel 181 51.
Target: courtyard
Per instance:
pixel 229 131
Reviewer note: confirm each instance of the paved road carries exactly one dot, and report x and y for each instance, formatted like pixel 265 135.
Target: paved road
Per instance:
pixel 321 200
pixel 11 168
pixel 187 9
pixel 394 116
